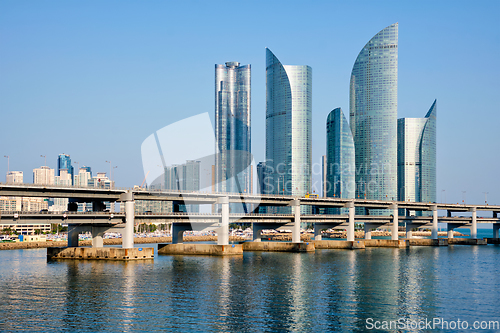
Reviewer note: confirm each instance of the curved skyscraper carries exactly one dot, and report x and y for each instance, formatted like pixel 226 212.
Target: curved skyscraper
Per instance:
pixel 232 128
pixel 288 127
pixel 417 158
pixel 340 175
pixel 373 116
pixel 428 156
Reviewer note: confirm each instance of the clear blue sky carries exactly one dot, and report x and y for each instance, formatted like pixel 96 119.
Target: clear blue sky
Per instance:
pixel 93 79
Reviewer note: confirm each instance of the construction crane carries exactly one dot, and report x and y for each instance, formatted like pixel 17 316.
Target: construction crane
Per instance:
pixel 144 179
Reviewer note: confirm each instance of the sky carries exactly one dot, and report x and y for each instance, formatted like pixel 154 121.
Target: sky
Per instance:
pixel 94 79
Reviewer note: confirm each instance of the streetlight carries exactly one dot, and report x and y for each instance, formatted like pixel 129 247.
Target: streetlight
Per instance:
pixel 464 196
pixel 8 162
pixel 443 191
pixel 45 157
pixel 113 177
pixel 486 197
pixel 109 168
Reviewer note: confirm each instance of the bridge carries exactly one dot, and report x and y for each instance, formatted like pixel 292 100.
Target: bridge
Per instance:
pixel 100 222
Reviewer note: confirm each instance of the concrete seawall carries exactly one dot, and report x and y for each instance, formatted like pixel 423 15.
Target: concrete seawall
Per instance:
pixel 466 241
pixel 334 244
pixel 428 242
pixel 110 241
pixel 401 243
pixel 201 249
pixel 279 246
pixel 99 253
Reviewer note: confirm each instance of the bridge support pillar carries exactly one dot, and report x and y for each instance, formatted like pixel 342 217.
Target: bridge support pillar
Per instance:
pixel 434 229
pixel 473 228
pixel 128 231
pixel 296 221
pixel 317 231
pixel 97 233
pixel 451 227
pixel 73 232
pixel 223 231
pixel 368 231
pixel 495 215
pixel 395 222
pixel 409 233
pixel 257 228
pixel 496 228
pixel 350 226
pixel 178 231
pixel 450 230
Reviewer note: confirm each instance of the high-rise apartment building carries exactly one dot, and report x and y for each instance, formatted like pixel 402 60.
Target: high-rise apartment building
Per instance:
pixel 288 127
pixel 232 128
pixel 43 176
pixel 64 179
pixel 64 163
pixel 417 158
pixel 373 116
pixel 83 177
pixel 340 164
pixel 14 177
pixel 101 181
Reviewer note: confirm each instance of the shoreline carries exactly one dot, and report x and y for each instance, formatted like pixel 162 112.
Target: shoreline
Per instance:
pixel 155 240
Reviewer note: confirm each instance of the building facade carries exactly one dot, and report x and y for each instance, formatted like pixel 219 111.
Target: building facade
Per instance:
pixel 43 176
pixel 373 116
pixel 340 154
pixel 83 177
pixel 417 158
pixel 64 179
pixel 14 177
pixel 233 128
pixel 288 127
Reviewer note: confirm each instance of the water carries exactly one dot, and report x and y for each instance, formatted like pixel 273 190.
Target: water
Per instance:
pixel 329 290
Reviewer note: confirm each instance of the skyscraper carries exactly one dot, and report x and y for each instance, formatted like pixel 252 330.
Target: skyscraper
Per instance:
pixel 288 127
pixel 340 172
pixel 373 116
pixel 64 162
pixel 232 128
pixel 417 158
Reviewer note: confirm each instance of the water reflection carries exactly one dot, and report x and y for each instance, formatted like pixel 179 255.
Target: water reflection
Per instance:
pixel 329 290
pixel 100 290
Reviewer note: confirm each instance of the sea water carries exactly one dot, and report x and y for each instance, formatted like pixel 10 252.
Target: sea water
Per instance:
pixel 324 291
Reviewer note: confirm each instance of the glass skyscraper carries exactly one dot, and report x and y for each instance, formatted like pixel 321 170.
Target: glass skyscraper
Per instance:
pixel 232 128
pixel 64 162
pixel 373 116
pixel 288 127
pixel 340 172
pixel 417 158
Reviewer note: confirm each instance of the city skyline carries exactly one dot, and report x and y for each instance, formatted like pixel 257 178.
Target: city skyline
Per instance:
pixel 115 91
